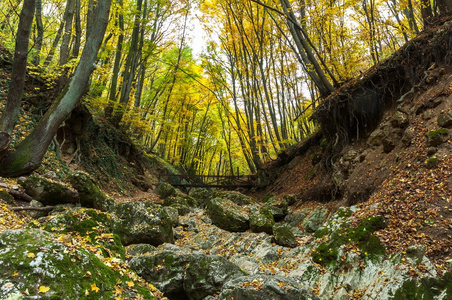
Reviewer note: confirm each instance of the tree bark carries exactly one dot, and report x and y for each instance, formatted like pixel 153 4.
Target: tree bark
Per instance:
pixel 68 16
pixel 29 153
pixel 40 33
pixel 10 114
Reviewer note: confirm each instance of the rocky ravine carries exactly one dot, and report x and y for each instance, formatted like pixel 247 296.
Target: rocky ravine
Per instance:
pixel 210 245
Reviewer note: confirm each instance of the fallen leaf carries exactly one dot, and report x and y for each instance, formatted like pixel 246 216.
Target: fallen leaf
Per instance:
pixel 43 289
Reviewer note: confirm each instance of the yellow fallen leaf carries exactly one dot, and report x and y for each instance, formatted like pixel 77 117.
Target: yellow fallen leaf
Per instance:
pixel 94 288
pixel 86 293
pixel 15 274
pixel 43 289
pixel 130 284
pixel 31 255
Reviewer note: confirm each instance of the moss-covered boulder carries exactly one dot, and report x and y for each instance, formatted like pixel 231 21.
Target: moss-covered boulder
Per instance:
pixel 140 249
pixel 165 190
pixel 206 275
pixel 258 287
pixel 437 137
pixel 445 120
pixel 284 235
pixel 143 222
pixel 47 191
pixel 90 194
pixel 5 196
pixel 234 196
pixel 183 203
pixel 313 222
pixel 400 120
pixel 278 207
pixel 202 195
pixel 262 221
pixel 164 269
pixel 95 227
pixel 227 215
pixel 33 265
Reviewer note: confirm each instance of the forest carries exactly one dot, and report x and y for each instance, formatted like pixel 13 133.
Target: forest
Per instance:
pixel 249 94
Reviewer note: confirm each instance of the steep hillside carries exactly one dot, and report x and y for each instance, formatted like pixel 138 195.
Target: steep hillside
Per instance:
pixel 393 158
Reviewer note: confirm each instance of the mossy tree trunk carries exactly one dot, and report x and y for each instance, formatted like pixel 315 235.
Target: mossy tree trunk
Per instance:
pixel 28 155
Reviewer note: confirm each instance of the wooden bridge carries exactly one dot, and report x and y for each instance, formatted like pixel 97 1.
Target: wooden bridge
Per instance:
pixel 207 181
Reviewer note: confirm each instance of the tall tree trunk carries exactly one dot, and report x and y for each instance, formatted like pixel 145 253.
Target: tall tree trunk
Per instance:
pixel 117 65
pixel 10 114
pixel 54 45
pixel 78 30
pixel 426 11
pixel 129 69
pixel 40 33
pixel 29 153
pixel 68 17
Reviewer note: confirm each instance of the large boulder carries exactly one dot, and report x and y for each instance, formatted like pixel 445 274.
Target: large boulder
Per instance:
pixel 262 221
pixel 445 120
pixel 165 190
pixel 284 235
pixel 315 220
pixel 90 194
pixel 143 222
pixel 278 207
pixel 183 203
pixel 259 287
pixel 227 215
pixel 35 266
pixel 47 191
pixel 206 275
pixel 164 269
pixel 96 225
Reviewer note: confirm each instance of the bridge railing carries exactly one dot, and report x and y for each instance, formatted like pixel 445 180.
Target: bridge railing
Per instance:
pixel 220 181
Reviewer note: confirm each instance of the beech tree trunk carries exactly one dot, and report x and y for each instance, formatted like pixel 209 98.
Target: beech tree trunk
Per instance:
pixel 11 112
pixel 28 154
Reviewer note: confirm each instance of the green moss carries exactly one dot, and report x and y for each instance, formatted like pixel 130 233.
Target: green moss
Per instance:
pixel 343 212
pixel 321 232
pixel 326 253
pixel 435 133
pixel 425 288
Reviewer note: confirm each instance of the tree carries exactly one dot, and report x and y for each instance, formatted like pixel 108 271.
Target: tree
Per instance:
pixel 27 156
pixel 11 113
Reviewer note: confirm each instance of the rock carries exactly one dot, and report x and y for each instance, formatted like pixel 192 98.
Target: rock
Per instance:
pixel 90 194
pixel 234 196
pixel 143 222
pixel 98 226
pixel 416 253
pixel 206 275
pixel 388 144
pixel 164 269
pixel 408 136
pixel 315 220
pixel 431 151
pixel 31 258
pixel 5 196
pixel 36 213
pixel 278 207
pixel 227 215
pixel 445 120
pixel 376 137
pixel 291 199
pixel 259 287
pixel 173 214
pixel 48 192
pixel 201 195
pixel 183 204
pixel 140 249
pixel 437 137
pixel 266 254
pixel 400 120
pixel 284 235
pixel 262 221
pixel 248 265
pixel 165 190
pixel 295 219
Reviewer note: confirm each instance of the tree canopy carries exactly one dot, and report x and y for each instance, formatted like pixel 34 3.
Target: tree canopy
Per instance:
pixel 249 95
